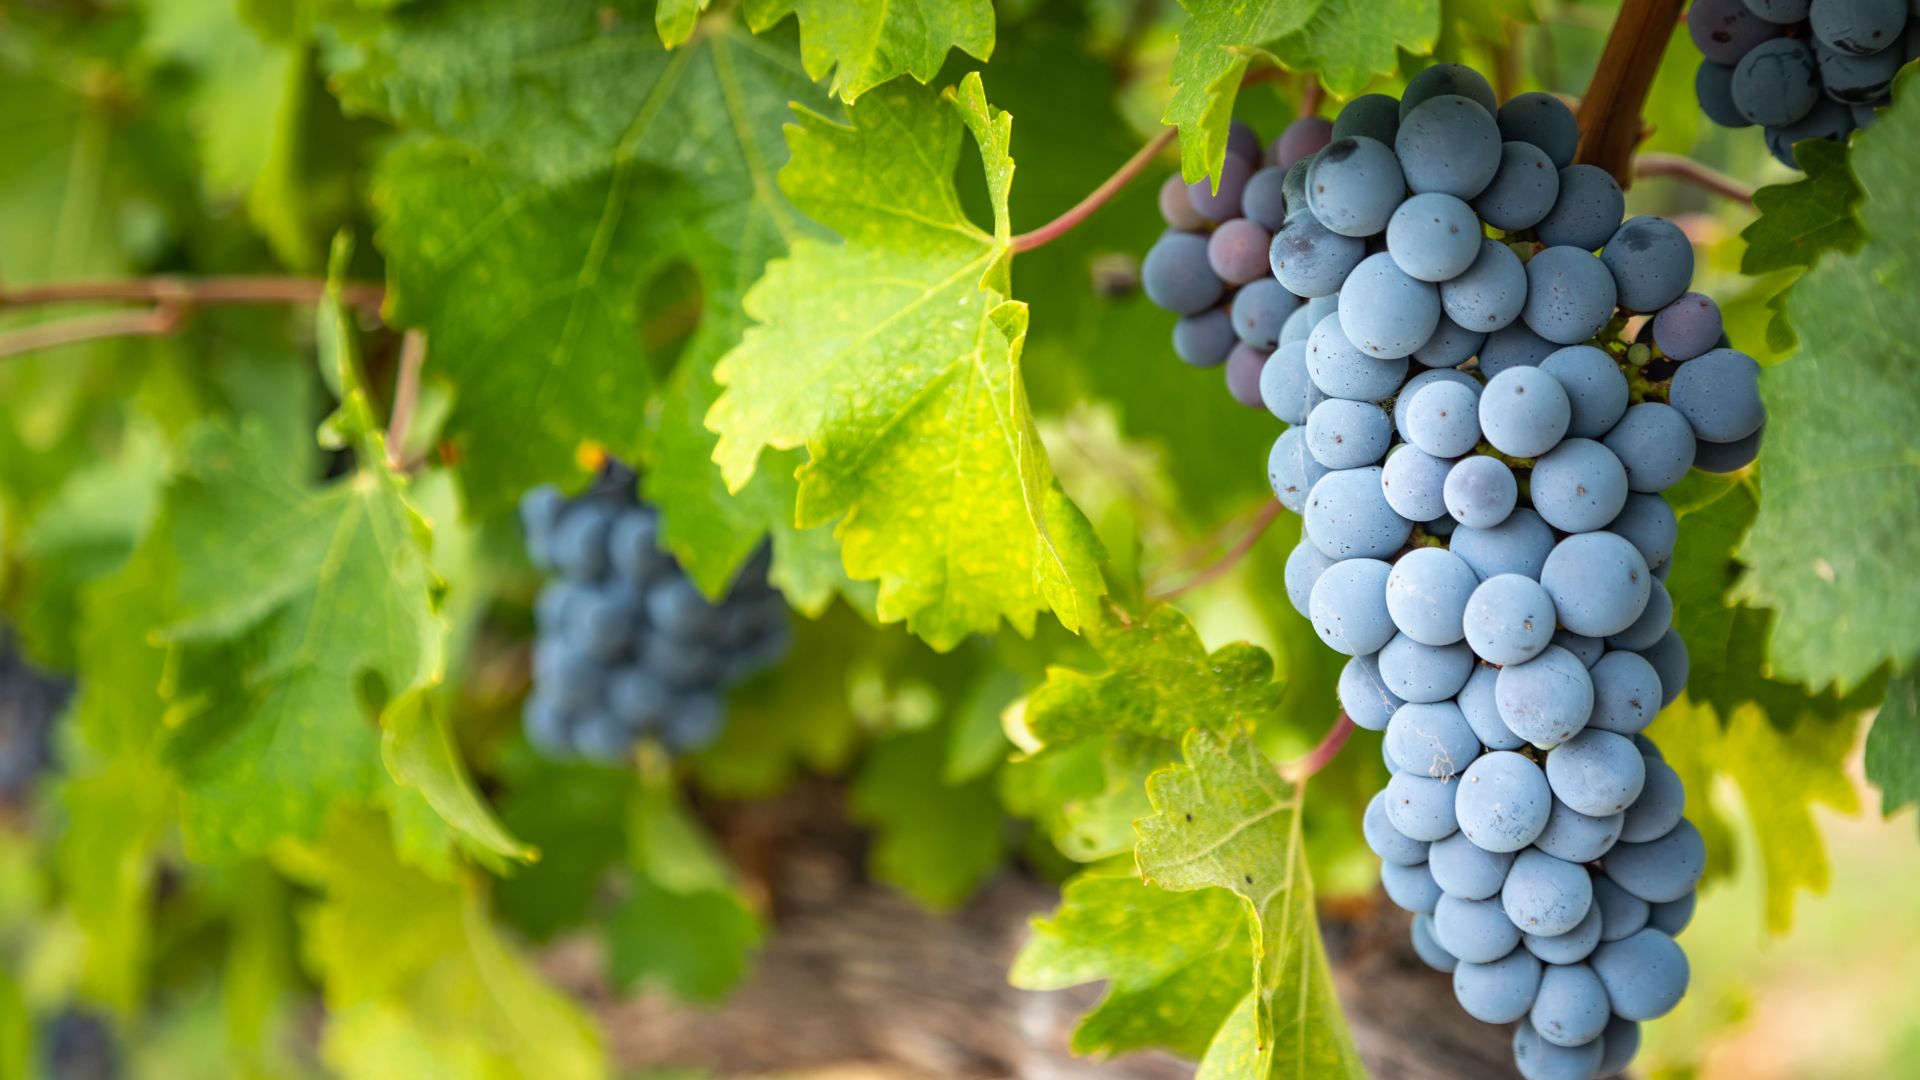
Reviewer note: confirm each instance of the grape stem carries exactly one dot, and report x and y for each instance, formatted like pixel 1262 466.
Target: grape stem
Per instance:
pixel 1312 97
pixel 156 322
pixel 191 292
pixel 1299 769
pixel 406 395
pixel 1228 559
pixel 1098 197
pixel 1688 171
pixel 1610 124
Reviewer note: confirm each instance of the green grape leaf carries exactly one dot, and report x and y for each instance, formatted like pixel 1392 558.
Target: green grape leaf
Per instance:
pixel 934 840
pixel 893 357
pixel 1088 793
pixel 1162 682
pixel 1829 549
pixel 1346 42
pixel 116 817
pixel 695 944
pixel 1224 818
pixel 865 43
pixel 1802 220
pixel 417 979
pixel 674 19
pixel 1174 962
pixel 1893 746
pixel 565 811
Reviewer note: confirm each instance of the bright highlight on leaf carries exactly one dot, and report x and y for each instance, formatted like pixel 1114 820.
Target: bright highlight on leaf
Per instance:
pixel 868 42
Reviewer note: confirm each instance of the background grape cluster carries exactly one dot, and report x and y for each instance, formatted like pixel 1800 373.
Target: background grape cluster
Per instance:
pixel 1801 69
pixel 30 700
pixel 626 645
pixel 1484 415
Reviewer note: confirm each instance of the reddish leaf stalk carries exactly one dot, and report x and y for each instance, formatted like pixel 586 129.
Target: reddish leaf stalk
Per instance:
pixel 1230 558
pixel 194 291
pixel 1098 197
pixel 406 395
pixel 1688 171
pixel 154 323
pixel 1299 769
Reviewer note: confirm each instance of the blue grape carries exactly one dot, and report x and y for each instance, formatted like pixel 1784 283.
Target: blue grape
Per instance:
pixel 596 736
pixel 1223 202
pixel 1650 525
pixel 1544 895
pixel 1523 189
pixel 1243 142
pixel 1626 693
pixel 1347 516
pixel 1858 27
pixel 1450 346
pixel 1176 209
pixel 1349 605
pixel 1403 401
pixel 1237 251
pixel 1651 261
pixel 1586 648
pixel 1500 992
pixel 1719 394
pixel 1427 947
pixel 1348 434
pixel 1178 277
pixel 547 724
pixel 1620 1042
pixel 1386 313
pixel 1577 486
pixel 539 512
pixel 1597 773
pixel 1598 581
pixel 1525 412
pixel 1443 418
pixel 1669 658
pixel 1687 327
pixel 636 698
pixel 1596 390
pixel 1660 871
pixel 1310 259
pixel 1284 383
pixel 1386 841
pixel 1305 564
pixel 1546 700
pixel 1858 80
pixel 1538 1059
pixel 1726 30
pixel 1264 200
pixel 1204 340
pixel 598 622
pixel 1671 918
pixel 1622 914
pixel 1503 801
pixel 578 546
pixel 1411 888
pixel 1477 704
pixel 1783 12
pixel 1654 621
pixel 1571 1007
pixel 1245 363
pixel 1826 120
pixel 1475 931
pixel 1729 457
pixel 1343 371
pixel 1480 492
pixel 1466 870
pixel 1354 185
pixel 1570 295
pixel 1775 83
pixel 1490 294
pixel 1543 121
pixel 1294 186
pixel 1298 325
pixel 1301 140
pixel 1515 346
pixel 1421 807
pixel 1569 948
pixel 633 546
pixel 1442 79
pixel 1375 116
pixel 1433 237
pixel 1518 545
pixel 1260 309
pixel 1654 444
pixel 1645 975
pixel 1427 591
pixel 1509 619
pixel 1430 739
pixel 1658 810
pixel 1364 697
pixel 1413 483
pixel 694 723
pixel 1578 837
pixel 1713 86
pixel 1424 673
pixel 1291 470
pixel 1448 144
pixel 1588 210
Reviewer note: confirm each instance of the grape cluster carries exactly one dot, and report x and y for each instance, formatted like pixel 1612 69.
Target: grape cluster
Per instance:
pixel 627 647
pixel 1801 69
pixel 1485 413
pixel 30 700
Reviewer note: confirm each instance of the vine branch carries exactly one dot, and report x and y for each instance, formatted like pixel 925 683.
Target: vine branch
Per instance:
pixel 1098 197
pixel 1230 558
pixel 406 395
pixel 1610 123
pixel 1688 171
pixel 1299 769
pixel 188 292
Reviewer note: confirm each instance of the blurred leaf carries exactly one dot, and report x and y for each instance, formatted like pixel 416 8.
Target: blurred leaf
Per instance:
pixel 937 841
pixel 565 811
pixel 695 944
pixel 1224 819
pixel 675 19
pixel 1174 962
pixel 1802 220
pixel 1830 550
pixel 1893 747
pixel 868 42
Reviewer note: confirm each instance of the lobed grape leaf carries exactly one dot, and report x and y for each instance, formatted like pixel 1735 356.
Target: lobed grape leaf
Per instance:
pixel 1805 219
pixel 1345 42
pixel 675 19
pixel 893 357
pixel 1828 551
pixel 865 43
pixel 1893 746
pixel 1174 962
pixel 935 840
pixel 1223 818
